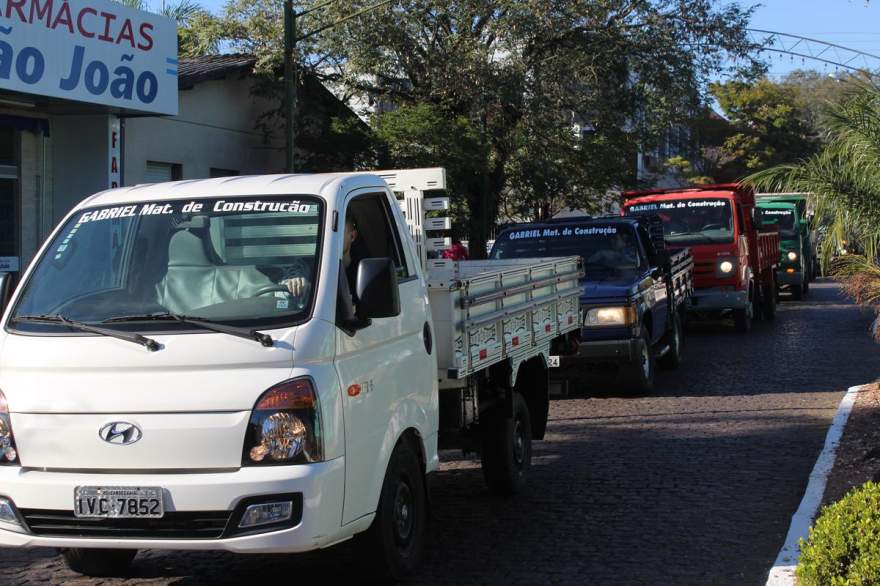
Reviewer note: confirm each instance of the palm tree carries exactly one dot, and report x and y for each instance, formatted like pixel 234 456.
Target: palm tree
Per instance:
pixel 844 178
pixel 198 32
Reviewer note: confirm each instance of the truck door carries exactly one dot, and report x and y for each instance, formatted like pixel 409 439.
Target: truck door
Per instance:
pixel 658 296
pixel 384 369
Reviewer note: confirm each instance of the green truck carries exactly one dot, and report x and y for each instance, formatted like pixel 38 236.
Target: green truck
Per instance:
pixel 798 263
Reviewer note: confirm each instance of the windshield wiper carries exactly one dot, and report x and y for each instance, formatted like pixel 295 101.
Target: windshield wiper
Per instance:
pixel 247 333
pixel 57 318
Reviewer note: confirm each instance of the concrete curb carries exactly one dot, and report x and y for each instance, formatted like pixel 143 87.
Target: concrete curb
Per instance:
pixel 782 572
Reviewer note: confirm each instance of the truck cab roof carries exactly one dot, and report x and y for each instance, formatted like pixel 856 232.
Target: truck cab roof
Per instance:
pixel 738 191
pixel 247 185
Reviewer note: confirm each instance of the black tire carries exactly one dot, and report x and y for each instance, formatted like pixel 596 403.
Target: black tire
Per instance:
pixel 672 359
pixel 806 287
pixel 797 292
pixel 742 318
pixel 768 307
pixel 637 377
pixel 506 454
pixel 394 544
pixel 99 562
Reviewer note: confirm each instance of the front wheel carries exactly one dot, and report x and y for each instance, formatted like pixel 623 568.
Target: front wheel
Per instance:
pixel 742 318
pixel 672 358
pixel 99 562
pixel 638 376
pixel 506 454
pixel 393 545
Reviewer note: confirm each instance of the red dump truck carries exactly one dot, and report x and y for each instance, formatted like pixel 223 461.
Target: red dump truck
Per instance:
pixel 735 260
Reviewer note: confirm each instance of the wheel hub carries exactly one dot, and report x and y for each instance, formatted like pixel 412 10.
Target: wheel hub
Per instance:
pixel 404 517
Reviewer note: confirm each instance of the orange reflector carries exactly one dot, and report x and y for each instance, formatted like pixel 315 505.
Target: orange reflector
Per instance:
pixel 789 270
pixel 547 328
pixel 483 354
pixel 292 394
pixel 354 390
pixel 515 341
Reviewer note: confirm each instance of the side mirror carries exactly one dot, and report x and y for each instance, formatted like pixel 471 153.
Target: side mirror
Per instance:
pixel 377 292
pixel 5 290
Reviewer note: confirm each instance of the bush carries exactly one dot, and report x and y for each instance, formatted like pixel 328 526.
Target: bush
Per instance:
pixel 844 545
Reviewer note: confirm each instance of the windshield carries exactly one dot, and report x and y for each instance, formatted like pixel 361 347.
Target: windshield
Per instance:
pixel 688 222
pixel 243 260
pixel 602 246
pixel 784 218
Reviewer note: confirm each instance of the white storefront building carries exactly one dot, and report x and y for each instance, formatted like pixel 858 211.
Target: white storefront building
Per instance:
pixel 89 100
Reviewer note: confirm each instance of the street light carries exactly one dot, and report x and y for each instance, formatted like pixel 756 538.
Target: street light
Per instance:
pixel 290 41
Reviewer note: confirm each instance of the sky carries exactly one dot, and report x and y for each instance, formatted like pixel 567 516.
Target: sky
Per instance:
pixel 854 24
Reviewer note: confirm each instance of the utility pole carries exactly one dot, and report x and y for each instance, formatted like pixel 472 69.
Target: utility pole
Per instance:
pixel 289 82
pixel 291 38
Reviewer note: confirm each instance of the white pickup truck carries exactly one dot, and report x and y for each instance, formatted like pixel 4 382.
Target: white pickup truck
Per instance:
pixel 263 364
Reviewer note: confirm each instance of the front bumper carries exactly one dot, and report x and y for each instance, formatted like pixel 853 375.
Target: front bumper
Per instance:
pixel 603 351
pixel 795 278
pixel 714 298
pixel 321 486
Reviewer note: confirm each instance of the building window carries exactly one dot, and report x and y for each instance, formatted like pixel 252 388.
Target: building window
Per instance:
pixel 160 172
pixel 215 172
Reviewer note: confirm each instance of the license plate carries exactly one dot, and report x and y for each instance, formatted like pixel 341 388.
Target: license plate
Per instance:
pixel 554 362
pixel 118 502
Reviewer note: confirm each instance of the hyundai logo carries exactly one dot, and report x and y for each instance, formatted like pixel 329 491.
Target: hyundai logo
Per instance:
pixel 121 433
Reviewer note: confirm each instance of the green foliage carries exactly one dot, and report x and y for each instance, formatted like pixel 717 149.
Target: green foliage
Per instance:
pixel 198 31
pixel 769 125
pixel 844 177
pixel 843 548
pixel 524 74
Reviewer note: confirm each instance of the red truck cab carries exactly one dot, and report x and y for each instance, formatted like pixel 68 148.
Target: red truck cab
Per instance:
pixel 734 260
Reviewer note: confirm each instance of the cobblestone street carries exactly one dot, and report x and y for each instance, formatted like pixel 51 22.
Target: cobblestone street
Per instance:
pixel 693 484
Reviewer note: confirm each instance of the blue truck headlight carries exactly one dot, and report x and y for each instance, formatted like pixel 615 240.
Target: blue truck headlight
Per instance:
pixel 610 316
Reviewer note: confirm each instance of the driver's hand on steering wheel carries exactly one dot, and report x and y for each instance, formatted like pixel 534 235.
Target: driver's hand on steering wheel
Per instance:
pixel 298 286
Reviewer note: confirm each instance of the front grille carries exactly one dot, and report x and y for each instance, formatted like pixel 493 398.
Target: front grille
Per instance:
pixel 174 525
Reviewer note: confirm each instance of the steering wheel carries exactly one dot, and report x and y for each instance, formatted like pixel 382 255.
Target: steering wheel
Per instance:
pixel 272 289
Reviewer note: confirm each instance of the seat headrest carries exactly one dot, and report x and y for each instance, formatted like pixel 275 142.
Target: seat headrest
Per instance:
pixel 188 248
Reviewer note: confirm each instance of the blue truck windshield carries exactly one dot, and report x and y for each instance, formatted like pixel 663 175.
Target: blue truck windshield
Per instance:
pixel 603 246
pixel 689 222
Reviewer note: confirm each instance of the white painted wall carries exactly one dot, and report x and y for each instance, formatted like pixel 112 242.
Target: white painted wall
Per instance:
pixel 215 128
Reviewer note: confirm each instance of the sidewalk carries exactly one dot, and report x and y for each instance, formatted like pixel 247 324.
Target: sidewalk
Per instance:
pixel 850 458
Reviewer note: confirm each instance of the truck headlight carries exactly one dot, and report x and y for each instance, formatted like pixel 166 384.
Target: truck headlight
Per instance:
pixel 725 268
pixel 792 255
pixel 285 426
pixel 610 316
pixel 8 452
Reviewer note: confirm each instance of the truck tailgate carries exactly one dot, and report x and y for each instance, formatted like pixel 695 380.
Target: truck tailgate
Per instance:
pixel 488 311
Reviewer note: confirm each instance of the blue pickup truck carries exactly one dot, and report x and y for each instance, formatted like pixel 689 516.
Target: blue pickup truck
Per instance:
pixel 634 290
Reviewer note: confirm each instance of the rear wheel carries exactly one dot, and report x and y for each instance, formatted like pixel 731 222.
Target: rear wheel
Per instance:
pixel 506 455
pixel 99 562
pixel 672 358
pixel 394 543
pixel 768 305
pixel 638 376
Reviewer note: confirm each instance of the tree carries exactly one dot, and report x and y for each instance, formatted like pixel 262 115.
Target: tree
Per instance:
pixel 198 31
pixel 844 178
pixel 770 125
pixel 526 74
